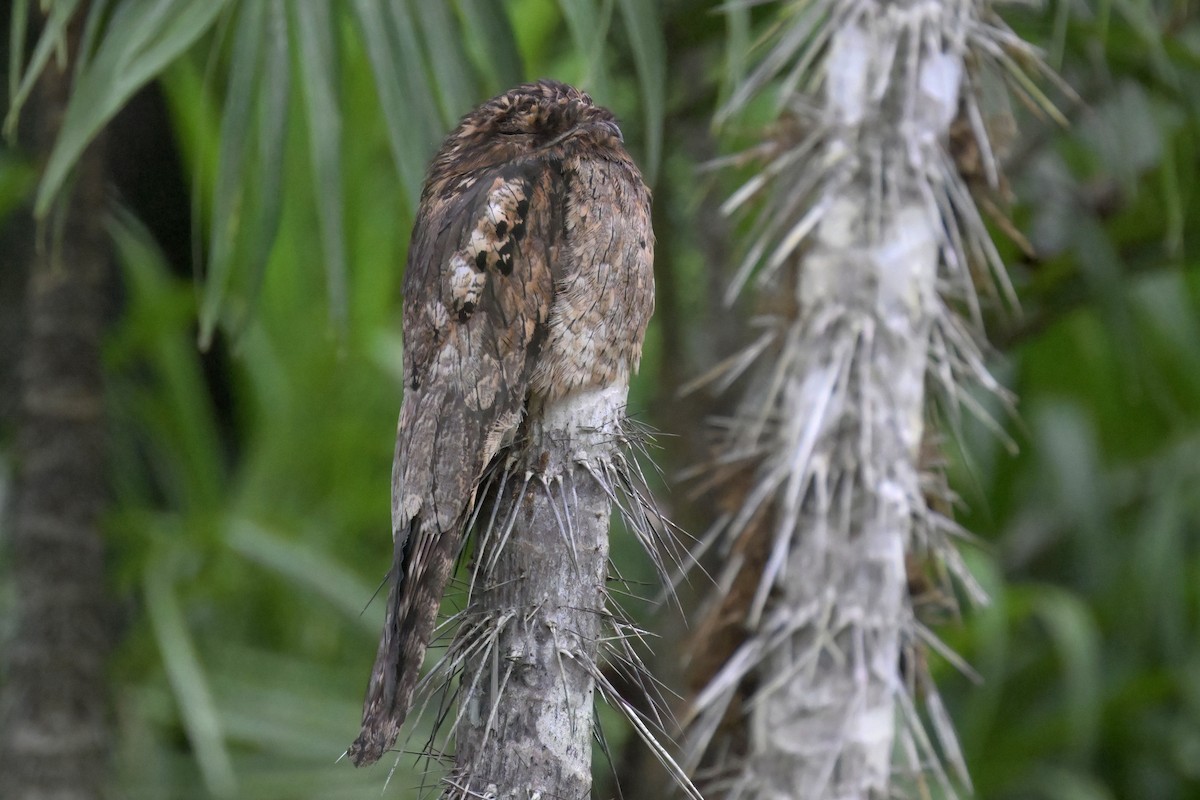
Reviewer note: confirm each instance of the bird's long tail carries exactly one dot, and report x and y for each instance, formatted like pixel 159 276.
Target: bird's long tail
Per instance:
pixel 421 566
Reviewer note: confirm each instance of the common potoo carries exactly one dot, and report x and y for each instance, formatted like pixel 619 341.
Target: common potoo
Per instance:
pixel 529 277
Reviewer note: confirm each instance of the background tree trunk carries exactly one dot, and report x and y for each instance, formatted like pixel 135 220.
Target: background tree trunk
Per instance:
pixel 54 731
pixel 866 238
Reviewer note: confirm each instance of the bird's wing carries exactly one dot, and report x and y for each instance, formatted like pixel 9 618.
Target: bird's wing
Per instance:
pixel 478 290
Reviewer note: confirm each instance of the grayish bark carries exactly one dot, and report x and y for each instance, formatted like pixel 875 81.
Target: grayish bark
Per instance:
pixel 854 425
pixel 827 717
pixel 54 729
pixel 537 609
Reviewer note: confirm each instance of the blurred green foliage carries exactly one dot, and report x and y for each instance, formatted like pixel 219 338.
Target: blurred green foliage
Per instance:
pixel 1089 654
pixel 249 525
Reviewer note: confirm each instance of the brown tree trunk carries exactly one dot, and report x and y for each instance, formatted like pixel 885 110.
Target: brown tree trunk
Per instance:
pixel 54 729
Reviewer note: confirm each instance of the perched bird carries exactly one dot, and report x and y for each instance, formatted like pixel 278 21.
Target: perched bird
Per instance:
pixel 529 277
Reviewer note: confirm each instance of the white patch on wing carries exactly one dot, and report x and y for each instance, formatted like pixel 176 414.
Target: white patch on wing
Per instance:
pixel 466 283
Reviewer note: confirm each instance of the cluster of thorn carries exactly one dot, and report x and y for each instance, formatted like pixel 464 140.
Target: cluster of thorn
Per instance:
pixel 473 635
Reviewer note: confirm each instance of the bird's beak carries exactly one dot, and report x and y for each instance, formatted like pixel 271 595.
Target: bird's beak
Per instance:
pixel 608 126
pixel 611 127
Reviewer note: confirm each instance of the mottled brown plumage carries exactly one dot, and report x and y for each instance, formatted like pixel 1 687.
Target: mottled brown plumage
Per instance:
pixel 529 277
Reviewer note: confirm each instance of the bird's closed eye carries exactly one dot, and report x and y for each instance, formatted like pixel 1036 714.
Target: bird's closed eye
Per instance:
pixel 515 125
pixel 515 122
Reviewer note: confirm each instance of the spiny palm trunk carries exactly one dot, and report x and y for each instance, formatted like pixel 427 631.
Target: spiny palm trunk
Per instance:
pixel 54 731
pixel 867 237
pixel 541 638
pixel 538 610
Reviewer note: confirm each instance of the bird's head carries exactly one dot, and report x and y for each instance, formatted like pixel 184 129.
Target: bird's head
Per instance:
pixel 546 119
